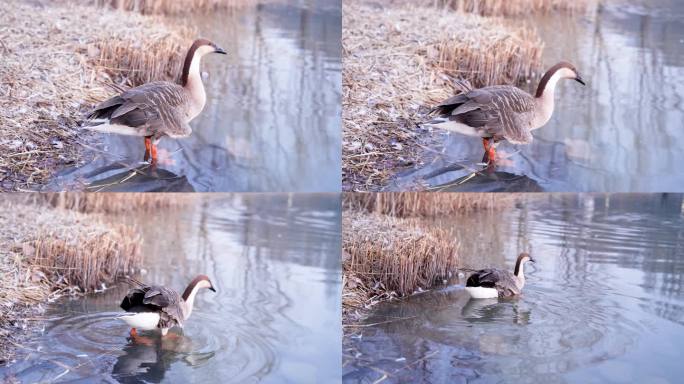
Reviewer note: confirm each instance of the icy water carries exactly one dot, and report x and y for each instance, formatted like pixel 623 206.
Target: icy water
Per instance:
pixel 272 119
pixel 275 263
pixel 620 133
pixel 604 302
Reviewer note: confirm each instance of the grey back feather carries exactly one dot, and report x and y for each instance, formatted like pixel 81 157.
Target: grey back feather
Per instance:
pixel 503 111
pixel 156 109
pixel 505 282
pixel 165 301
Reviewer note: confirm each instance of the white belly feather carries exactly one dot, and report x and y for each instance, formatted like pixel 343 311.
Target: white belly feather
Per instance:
pixel 106 127
pixel 453 126
pixel 144 320
pixel 482 293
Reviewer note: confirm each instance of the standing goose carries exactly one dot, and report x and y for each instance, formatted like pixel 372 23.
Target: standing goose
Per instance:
pixel 159 108
pixel 490 283
pixel 502 111
pixel 152 307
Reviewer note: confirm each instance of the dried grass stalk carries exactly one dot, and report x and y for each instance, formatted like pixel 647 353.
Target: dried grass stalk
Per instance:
pixel 511 7
pixel 135 62
pixel 173 6
pixel 386 256
pixel 415 204
pixel 114 203
pixel 398 61
pixel 86 259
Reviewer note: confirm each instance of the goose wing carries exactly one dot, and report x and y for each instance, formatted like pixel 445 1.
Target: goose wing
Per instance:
pixel 502 281
pixel 145 298
pixel 154 108
pixel 495 109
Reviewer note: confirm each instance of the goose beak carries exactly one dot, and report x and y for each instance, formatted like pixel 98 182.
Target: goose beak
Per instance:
pixel 212 289
pixel 221 51
pixel 533 260
pixel 579 80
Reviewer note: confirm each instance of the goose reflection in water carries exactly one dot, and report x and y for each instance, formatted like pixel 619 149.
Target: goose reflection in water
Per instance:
pixel 147 358
pixel 485 180
pixel 119 177
pixel 485 310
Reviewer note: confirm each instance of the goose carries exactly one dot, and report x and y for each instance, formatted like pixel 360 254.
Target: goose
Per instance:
pixel 159 108
pixel 502 112
pixel 491 283
pixel 153 306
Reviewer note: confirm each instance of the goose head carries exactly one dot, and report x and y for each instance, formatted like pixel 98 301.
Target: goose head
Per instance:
pixel 566 70
pixel 199 282
pixel 204 46
pixel 522 259
pixel 191 66
pixel 562 70
pixel 525 257
pixel 204 282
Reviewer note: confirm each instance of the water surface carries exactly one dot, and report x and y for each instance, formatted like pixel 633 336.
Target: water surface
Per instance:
pixel 603 304
pixel 620 133
pixel 275 263
pixel 272 119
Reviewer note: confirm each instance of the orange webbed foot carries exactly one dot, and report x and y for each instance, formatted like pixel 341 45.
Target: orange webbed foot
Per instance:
pixel 148 148
pixel 489 157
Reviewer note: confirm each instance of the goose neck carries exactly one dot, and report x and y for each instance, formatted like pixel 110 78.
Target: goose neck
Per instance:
pixel 520 275
pixel 192 81
pixel 519 270
pixel 188 301
pixel 544 104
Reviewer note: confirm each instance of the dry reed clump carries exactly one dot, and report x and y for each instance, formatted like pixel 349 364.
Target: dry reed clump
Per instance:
pixel 85 259
pixel 59 60
pixel 510 8
pixel 131 61
pixel 386 257
pixel 114 203
pixel 415 204
pixel 398 61
pixel 173 6
pixel 45 253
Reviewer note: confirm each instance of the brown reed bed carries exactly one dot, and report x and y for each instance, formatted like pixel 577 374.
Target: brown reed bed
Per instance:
pixel 130 61
pixel 386 257
pixel 114 203
pixel 508 8
pixel 169 7
pixel 416 204
pixel 400 60
pixel 47 253
pixel 59 59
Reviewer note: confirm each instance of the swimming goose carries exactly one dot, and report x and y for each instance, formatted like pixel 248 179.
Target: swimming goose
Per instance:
pixel 155 306
pixel 501 112
pixel 159 108
pixel 490 283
